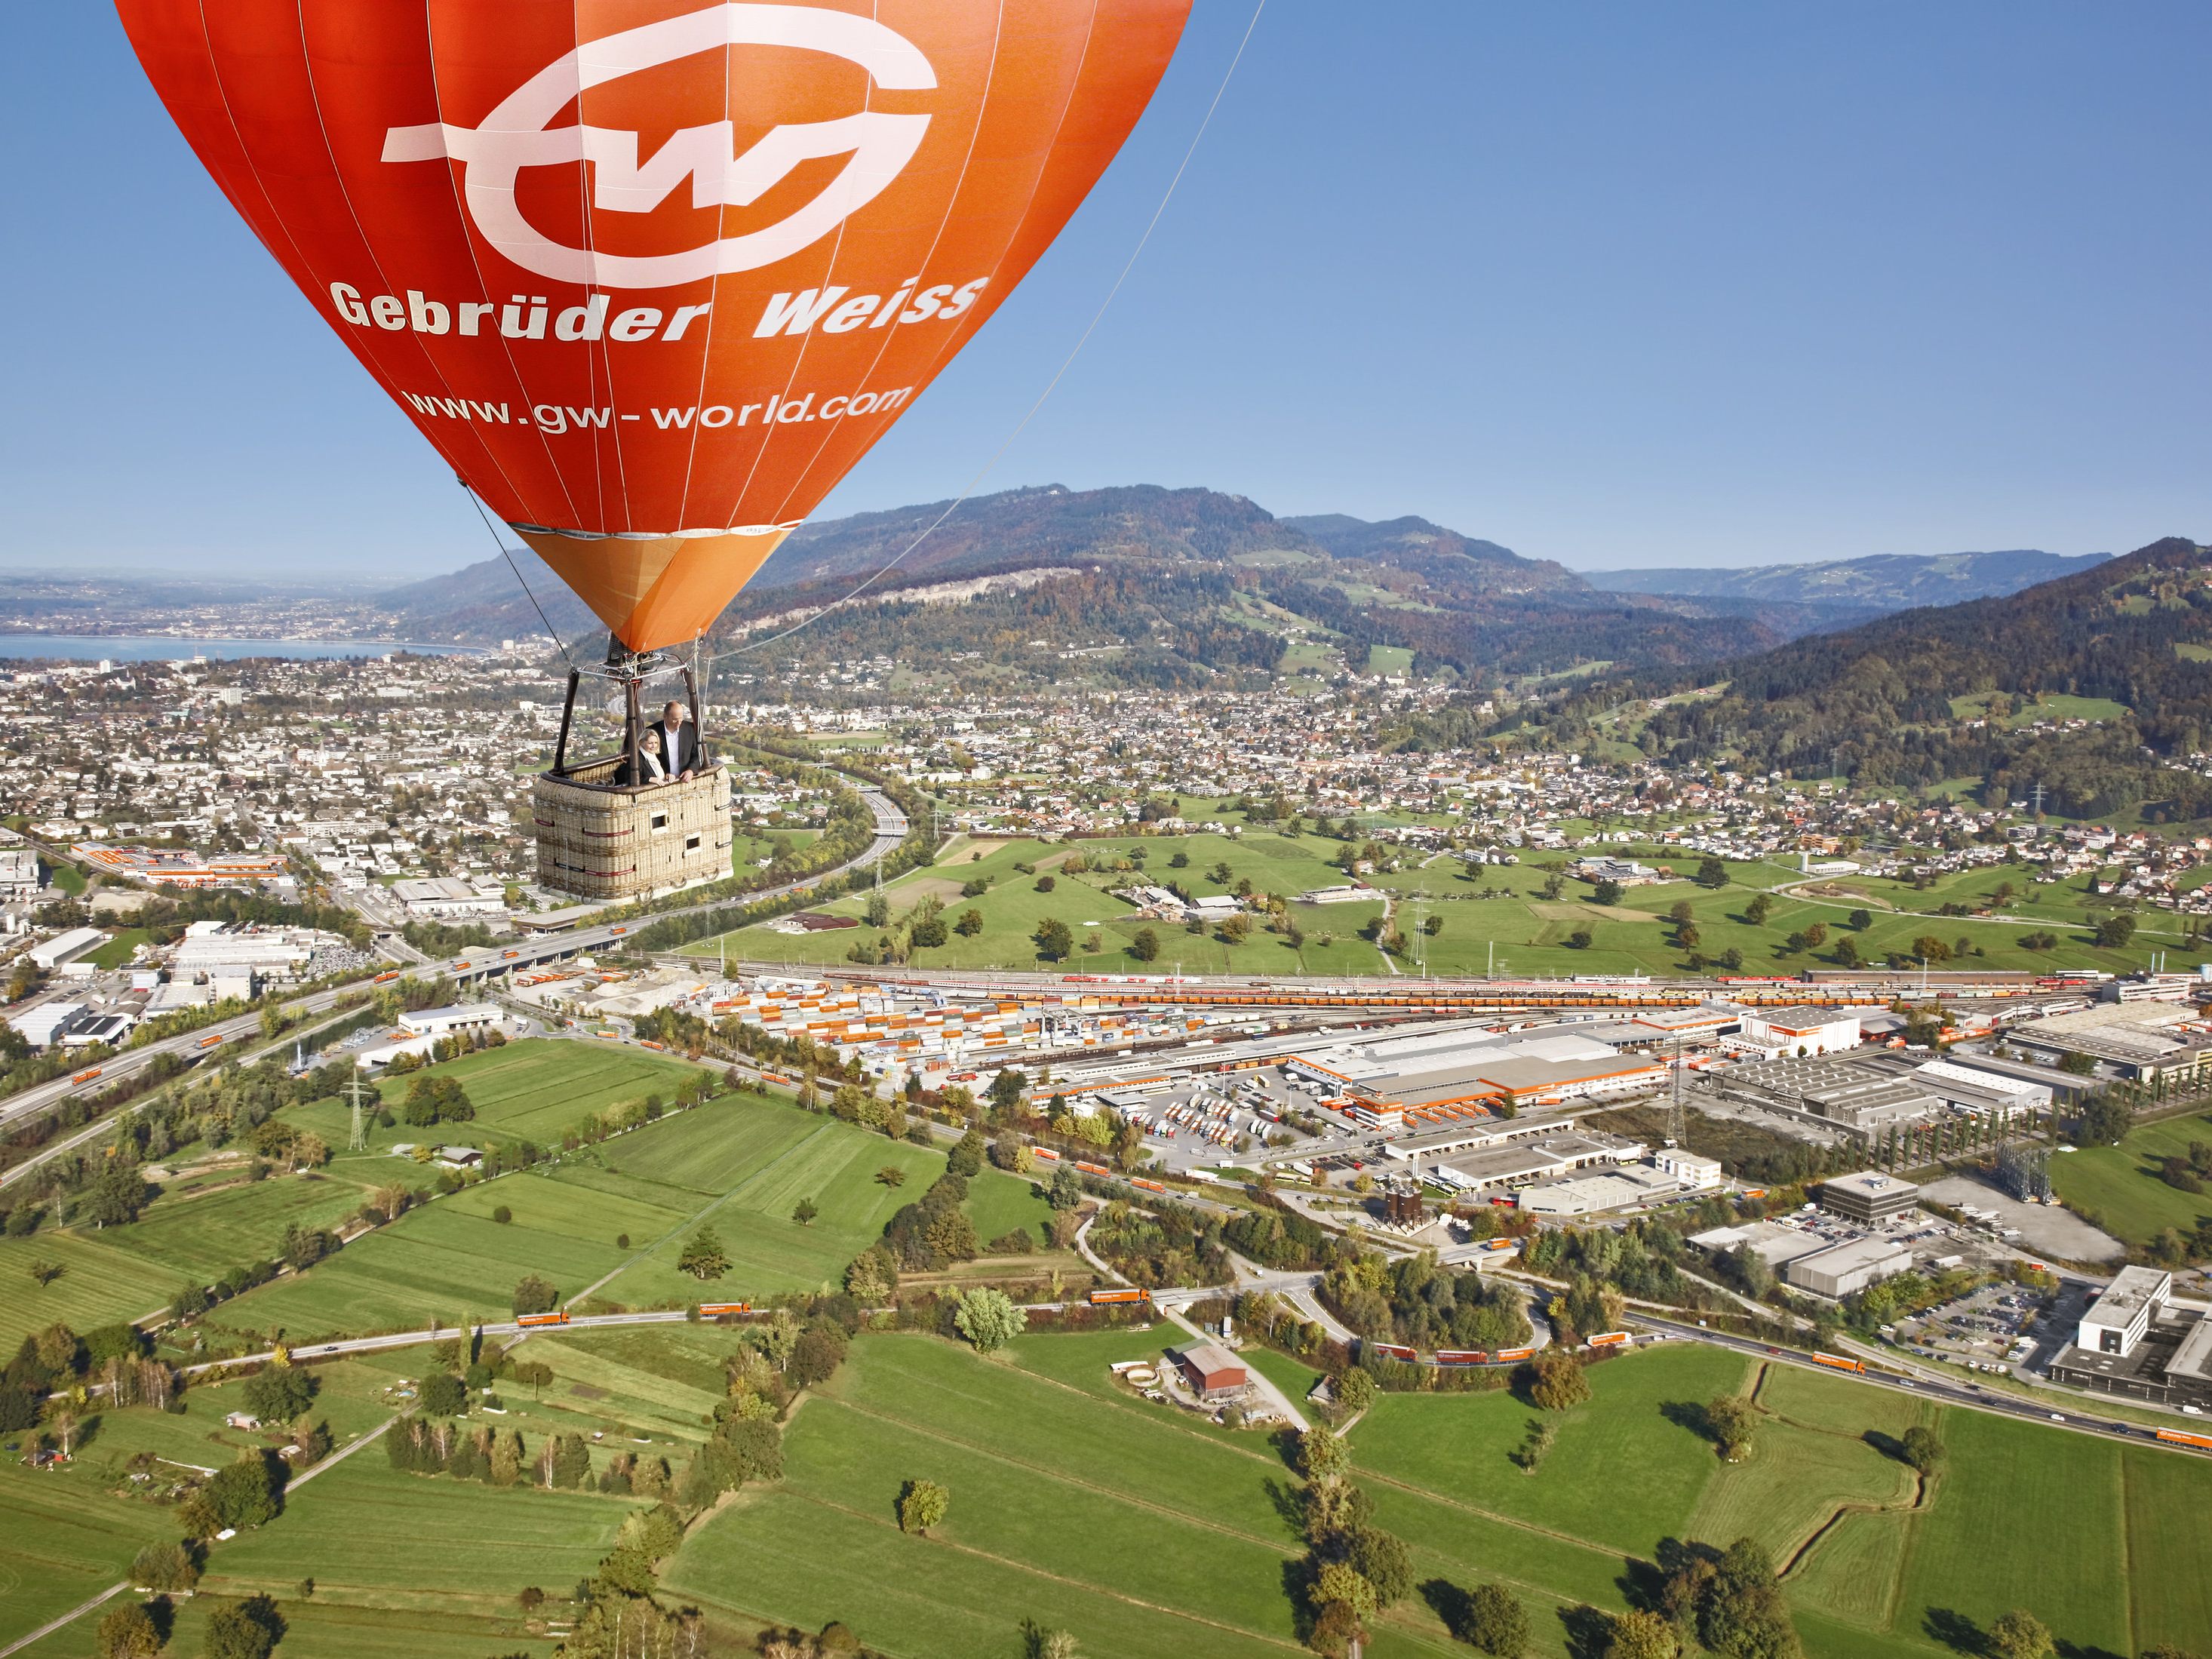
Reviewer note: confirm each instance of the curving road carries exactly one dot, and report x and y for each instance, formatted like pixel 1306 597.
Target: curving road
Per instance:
pixel 469 968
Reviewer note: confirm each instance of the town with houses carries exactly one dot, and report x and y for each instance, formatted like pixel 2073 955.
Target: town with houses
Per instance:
pixel 381 807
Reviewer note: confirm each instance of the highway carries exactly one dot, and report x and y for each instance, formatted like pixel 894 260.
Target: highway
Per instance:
pixel 1969 1395
pixel 471 967
pixel 105 1074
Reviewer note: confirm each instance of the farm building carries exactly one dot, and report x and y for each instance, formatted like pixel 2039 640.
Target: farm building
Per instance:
pixel 1211 1370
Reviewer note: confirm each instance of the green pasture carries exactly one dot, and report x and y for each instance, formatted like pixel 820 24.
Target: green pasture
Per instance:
pixel 537 1090
pixel 100 1283
pixel 739 1165
pixel 1078 1503
pixel 117 951
pixel 2048 706
pixel 198 1236
pixel 65 1537
pixel 1486 915
pixel 2121 1186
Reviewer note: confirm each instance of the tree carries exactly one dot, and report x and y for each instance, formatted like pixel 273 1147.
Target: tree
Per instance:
pixel 1556 1381
pixel 1640 1635
pixel 922 1504
pixel 1712 872
pixel 891 1175
pixel 1007 1088
pixel 129 1632
pixel 244 1629
pixel 1860 921
pixel 1321 1456
pixel 2114 932
pixel 165 1568
pixel 871 1278
pixel 703 1256
pixel 1497 1623
pixel 1340 1581
pixel 534 1295
pixel 804 1211
pixel 969 924
pixel 2019 1635
pixel 1580 939
pixel 1145 946
pixel 117 1195
pixel 444 1394
pixel 245 1494
pixel 1817 934
pixel 1731 1420
pixel 1381 1557
pixel 43 1272
pixel 1053 940
pixel 501 1215
pixel 1354 1390
pixel 927 935
pixel 1037 1641
pixel 988 1319
pixel 2105 1120
pixel 1743 1615
pixel 1921 1449
pixel 1607 891
pixel 1759 909
pixel 279 1393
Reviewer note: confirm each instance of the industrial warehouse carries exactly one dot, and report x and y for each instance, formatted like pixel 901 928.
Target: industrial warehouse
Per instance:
pixel 1426 1076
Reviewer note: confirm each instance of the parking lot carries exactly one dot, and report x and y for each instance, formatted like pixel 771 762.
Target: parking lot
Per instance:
pixel 1985 1330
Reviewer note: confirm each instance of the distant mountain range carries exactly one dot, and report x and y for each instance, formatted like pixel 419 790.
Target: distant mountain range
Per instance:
pixel 1151 585
pixel 1876 585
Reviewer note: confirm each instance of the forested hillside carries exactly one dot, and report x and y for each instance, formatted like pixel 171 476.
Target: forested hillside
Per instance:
pixel 2097 686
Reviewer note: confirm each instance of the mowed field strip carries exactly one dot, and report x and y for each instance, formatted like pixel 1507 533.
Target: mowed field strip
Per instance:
pixel 739 1165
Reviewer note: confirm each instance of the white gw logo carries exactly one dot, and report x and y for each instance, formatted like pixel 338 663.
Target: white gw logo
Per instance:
pixel 516 136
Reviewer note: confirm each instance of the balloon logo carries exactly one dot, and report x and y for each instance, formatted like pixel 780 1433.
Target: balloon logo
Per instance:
pixel 516 135
pixel 652 275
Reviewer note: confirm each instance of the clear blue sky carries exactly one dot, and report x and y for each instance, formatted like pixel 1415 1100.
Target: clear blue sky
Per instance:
pixel 1616 285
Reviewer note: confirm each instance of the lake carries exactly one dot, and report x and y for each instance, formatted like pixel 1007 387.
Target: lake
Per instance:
pixel 154 647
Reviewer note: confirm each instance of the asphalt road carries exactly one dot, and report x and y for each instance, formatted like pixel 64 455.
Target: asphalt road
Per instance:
pixel 1965 1394
pixel 28 1103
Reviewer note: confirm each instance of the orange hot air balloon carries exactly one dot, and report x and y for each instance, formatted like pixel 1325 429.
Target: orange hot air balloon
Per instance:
pixel 653 275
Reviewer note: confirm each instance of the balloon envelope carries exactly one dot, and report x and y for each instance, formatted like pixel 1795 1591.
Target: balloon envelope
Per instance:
pixel 653 275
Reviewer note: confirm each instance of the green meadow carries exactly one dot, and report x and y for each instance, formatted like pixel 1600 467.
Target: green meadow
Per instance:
pixel 1078 1504
pixel 607 1222
pixel 534 1090
pixel 1485 916
pixel 2121 1185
